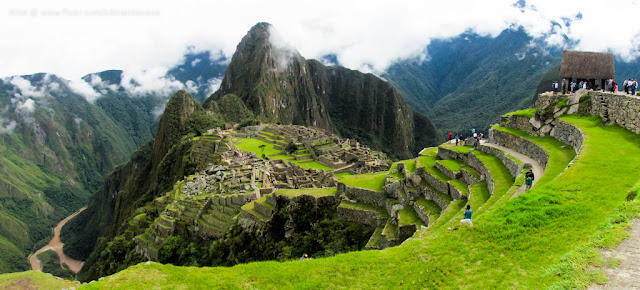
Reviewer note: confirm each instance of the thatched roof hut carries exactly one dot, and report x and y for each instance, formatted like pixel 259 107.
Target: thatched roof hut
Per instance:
pixel 587 65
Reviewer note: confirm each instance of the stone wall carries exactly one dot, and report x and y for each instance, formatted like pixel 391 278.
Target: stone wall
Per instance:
pixel 364 195
pixel 513 167
pixel 455 193
pixel 619 108
pixel 430 195
pixel 420 211
pixel 519 122
pixel 447 172
pixel 568 134
pixel 444 153
pixel 468 178
pixel 436 183
pixel 476 164
pixel 519 145
pixel 370 218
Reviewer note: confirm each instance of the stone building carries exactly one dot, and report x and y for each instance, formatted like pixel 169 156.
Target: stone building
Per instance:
pixel 593 67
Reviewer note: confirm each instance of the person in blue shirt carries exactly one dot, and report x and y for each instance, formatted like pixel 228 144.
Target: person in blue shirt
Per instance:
pixel 467 216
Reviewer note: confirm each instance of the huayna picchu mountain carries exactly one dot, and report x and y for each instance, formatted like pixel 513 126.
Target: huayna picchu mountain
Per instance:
pixel 280 86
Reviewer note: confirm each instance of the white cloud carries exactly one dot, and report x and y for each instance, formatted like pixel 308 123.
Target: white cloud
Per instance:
pixel 7 126
pixel 27 106
pixel 150 81
pixel 80 87
pixel 25 89
pixel 71 38
pixel 191 86
pixel 212 86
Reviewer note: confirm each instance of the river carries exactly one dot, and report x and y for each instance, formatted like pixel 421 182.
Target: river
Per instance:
pixel 56 245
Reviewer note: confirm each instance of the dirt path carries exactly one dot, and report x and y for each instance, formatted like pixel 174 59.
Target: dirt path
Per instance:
pixel 56 245
pixel 537 168
pixel 627 274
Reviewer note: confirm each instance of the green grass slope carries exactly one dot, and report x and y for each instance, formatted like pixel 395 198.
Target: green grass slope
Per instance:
pixel 512 246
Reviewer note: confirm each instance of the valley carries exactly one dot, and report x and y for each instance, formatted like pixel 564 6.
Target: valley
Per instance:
pixel 56 245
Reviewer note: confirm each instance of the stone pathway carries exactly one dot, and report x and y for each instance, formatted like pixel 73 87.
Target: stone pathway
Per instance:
pixel 627 274
pixel 537 168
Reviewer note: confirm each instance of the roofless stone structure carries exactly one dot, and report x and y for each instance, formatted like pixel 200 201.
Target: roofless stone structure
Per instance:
pixel 593 67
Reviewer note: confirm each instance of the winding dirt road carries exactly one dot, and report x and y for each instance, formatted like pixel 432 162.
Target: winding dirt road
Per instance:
pixel 56 245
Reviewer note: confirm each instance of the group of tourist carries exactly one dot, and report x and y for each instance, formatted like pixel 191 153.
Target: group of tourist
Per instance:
pixel 458 139
pixel 630 86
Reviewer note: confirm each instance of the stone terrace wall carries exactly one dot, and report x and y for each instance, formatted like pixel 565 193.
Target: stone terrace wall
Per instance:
pixel 364 195
pixel 568 134
pixel 370 218
pixel 476 164
pixel 619 108
pixel 520 145
pixel 518 122
pixel 445 153
pixel 470 159
pixel 513 167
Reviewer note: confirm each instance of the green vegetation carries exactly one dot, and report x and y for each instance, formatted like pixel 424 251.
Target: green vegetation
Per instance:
pixel 253 145
pixel 34 280
pixel 373 181
pixel 316 192
pixel 408 216
pixel 451 164
pixel 430 207
pixel 260 147
pixel 529 113
pixel 494 80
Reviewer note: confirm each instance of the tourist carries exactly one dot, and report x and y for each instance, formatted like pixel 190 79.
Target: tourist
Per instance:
pixel 580 85
pixel 573 86
pixel 304 257
pixel 554 87
pixel 615 87
pixel 528 179
pixel 457 139
pixel 633 86
pixel 626 86
pixel 450 135
pixel 565 85
pixel 467 216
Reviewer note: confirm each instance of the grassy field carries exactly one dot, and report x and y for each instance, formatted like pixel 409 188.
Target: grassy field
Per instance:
pixel 34 280
pixel 373 181
pixel 529 113
pixel 253 145
pixel 316 192
pixel 519 245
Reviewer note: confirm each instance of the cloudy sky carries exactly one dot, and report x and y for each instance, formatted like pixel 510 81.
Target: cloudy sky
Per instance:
pixel 73 38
